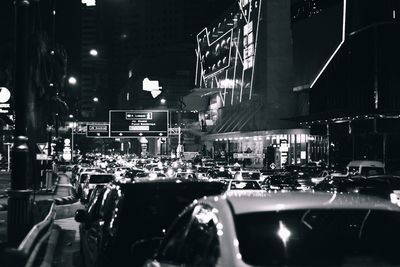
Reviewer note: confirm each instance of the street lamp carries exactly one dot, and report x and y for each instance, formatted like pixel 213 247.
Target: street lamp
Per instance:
pixel 93 52
pixel 71 116
pixel 95 99
pixel 163 101
pixel 72 80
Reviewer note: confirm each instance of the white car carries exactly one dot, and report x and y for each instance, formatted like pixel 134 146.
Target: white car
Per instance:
pixel 282 229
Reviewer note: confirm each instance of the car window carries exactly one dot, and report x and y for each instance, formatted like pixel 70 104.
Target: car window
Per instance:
pixel 369 171
pixel 201 244
pixel 353 169
pixel 95 203
pixel 334 237
pixel 193 239
pixel 172 246
pixel 108 204
pixel 98 179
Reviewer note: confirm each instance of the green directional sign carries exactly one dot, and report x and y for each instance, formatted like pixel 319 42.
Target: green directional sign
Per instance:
pixel 138 123
pixel 97 130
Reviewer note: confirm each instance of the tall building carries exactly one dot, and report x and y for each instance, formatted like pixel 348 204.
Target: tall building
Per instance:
pixel 94 79
pixel 243 87
pixel 351 77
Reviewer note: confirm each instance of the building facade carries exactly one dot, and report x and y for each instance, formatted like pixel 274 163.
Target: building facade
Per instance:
pixel 353 86
pixel 245 72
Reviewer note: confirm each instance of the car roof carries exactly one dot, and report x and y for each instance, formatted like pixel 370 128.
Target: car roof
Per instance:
pixel 366 163
pixel 249 202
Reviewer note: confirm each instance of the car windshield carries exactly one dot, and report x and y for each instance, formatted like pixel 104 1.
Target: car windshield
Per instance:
pixel 100 179
pixel 368 171
pixel 319 237
pixel 251 175
pixel 245 185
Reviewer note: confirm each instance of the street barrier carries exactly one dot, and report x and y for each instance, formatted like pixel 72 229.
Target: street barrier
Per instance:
pixel 30 251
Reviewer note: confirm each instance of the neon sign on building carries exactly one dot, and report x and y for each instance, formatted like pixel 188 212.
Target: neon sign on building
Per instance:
pixel 226 52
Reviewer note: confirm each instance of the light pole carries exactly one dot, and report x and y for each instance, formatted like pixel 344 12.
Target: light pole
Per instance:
pixel 19 197
pixel 72 136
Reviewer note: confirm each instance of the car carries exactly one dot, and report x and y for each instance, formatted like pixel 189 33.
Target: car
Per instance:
pixel 282 229
pixel 247 174
pixel 281 182
pixel 359 184
pixel 119 172
pixel 220 173
pixel 93 180
pixel 125 214
pixel 80 182
pixel 243 185
pixel 365 167
pixel 394 182
pixel 133 173
pixel 85 169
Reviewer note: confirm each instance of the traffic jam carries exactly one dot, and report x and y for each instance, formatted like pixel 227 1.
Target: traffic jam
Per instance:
pixel 163 211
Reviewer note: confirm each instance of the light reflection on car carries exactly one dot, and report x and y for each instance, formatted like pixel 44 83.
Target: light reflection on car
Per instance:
pixel 283 229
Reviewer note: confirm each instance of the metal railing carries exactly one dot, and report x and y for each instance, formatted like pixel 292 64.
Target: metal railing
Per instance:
pixel 27 253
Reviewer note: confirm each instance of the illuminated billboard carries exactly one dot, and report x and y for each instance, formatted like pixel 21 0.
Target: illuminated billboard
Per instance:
pixel 226 52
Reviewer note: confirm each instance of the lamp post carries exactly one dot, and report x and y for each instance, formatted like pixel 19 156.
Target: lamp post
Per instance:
pixel 19 197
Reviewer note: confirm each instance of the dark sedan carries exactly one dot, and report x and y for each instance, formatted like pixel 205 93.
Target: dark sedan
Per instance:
pixel 124 214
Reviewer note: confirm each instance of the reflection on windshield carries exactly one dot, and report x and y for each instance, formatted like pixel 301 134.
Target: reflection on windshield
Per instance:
pixel 319 237
pixel 99 179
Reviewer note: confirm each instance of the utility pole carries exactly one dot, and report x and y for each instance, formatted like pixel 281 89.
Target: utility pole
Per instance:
pixel 19 197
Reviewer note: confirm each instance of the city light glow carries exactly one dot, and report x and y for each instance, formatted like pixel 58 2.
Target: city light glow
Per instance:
pixel 72 80
pixel 93 52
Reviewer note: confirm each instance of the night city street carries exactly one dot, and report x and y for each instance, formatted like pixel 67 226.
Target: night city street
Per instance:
pixel 232 133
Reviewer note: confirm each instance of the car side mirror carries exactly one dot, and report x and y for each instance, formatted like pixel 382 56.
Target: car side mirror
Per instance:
pixel 81 216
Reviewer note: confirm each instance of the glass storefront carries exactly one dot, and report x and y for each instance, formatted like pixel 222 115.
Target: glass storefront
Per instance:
pixel 274 150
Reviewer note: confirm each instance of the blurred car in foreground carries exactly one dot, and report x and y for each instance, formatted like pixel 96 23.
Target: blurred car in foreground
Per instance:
pixel 127 213
pixel 283 229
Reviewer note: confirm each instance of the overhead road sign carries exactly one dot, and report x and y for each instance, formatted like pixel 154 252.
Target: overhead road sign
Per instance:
pixel 138 123
pixel 97 130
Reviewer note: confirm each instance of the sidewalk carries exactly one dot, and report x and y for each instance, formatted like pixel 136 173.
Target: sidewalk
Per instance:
pixel 67 252
pixel 63 192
